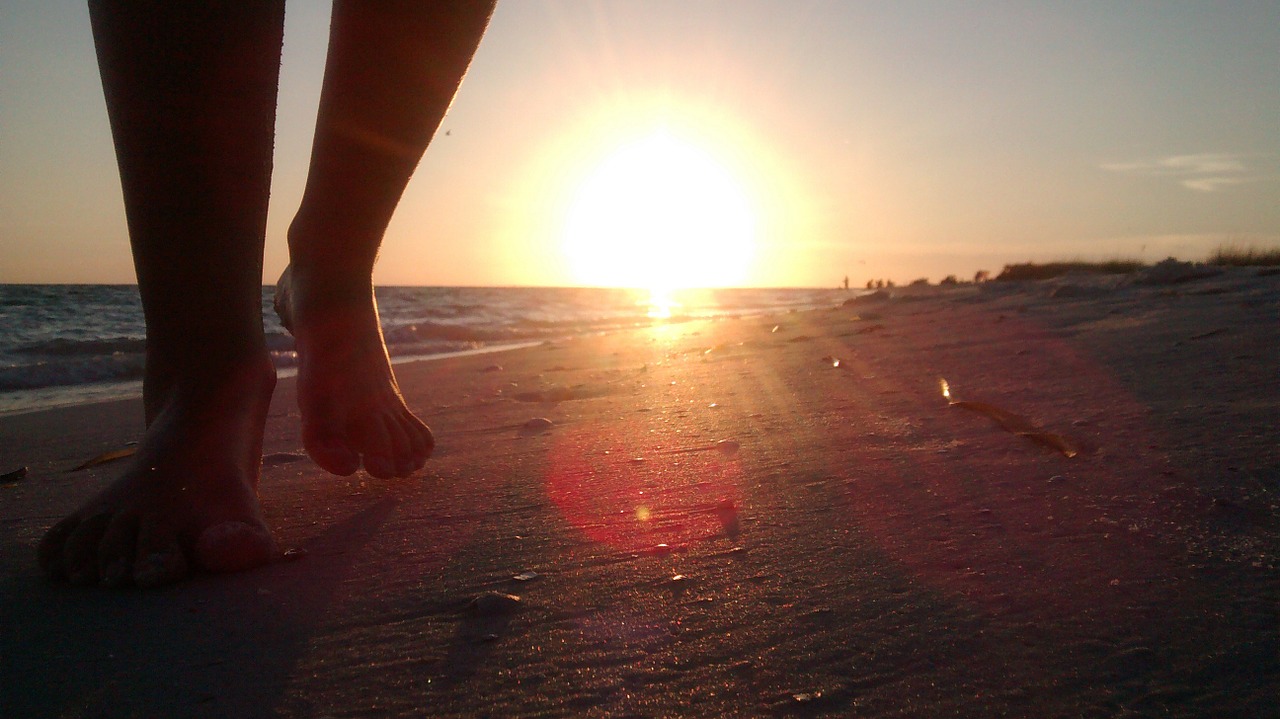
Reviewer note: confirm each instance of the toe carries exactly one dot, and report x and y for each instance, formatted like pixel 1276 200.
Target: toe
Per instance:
pixel 50 554
pixel 419 435
pixel 81 549
pixel 401 447
pixel 117 549
pixel 329 449
pixel 372 439
pixel 160 559
pixel 234 546
pixel 158 568
pixel 379 466
pixel 421 439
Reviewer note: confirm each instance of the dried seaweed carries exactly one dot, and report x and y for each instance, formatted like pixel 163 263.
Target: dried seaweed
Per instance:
pixel 1208 334
pixel 105 457
pixel 1013 423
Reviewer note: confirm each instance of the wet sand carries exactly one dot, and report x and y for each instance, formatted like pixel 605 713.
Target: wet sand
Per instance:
pixel 868 550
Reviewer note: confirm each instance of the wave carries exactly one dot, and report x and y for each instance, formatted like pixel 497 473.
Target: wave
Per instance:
pixel 56 336
pixel 62 347
pixel 111 368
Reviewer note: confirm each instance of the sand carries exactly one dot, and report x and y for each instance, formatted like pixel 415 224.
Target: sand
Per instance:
pixel 868 550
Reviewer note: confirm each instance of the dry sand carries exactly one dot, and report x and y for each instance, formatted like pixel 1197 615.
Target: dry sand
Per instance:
pixel 868 551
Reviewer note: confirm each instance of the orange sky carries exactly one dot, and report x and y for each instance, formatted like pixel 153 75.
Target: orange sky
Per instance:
pixel 895 140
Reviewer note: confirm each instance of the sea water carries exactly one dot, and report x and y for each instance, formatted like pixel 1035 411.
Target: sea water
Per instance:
pixel 71 344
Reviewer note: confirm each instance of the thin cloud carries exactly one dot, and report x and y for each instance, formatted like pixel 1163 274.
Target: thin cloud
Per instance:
pixel 1212 184
pixel 1202 172
pixel 1204 163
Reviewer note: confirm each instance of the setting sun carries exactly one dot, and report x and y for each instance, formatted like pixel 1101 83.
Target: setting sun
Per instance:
pixel 660 213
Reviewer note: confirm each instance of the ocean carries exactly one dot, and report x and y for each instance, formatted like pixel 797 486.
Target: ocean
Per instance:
pixel 72 344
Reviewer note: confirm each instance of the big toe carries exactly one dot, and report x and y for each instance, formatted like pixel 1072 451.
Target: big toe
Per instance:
pixel 329 449
pixel 234 546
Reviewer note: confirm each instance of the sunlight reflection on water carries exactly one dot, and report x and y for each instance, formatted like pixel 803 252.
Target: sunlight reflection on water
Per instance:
pixel 661 304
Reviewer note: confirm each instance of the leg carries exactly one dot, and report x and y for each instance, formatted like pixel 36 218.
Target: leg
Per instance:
pixel 392 71
pixel 190 91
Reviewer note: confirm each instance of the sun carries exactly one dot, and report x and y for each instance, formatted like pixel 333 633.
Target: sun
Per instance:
pixel 660 213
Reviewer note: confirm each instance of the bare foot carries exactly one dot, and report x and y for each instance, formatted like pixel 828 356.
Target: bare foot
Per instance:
pixel 189 498
pixel 352 410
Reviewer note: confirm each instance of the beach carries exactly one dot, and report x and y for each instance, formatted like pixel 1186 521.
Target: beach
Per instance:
pixel 753 516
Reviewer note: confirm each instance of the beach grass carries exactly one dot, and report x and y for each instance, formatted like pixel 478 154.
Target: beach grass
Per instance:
pixel 1231 255
pixel 1046 270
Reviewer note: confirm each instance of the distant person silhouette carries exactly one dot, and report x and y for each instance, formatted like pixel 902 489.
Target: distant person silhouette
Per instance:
pixel 191 97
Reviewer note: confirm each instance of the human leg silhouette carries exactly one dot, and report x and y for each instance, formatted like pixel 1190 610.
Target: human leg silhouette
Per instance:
pixel 190 90
pixel 191 98
pixel 392 70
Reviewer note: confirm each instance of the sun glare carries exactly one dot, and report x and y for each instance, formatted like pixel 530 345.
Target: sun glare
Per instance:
pixel 660 214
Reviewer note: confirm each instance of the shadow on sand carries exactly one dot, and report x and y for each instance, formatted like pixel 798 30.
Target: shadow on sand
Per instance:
pixel 215 646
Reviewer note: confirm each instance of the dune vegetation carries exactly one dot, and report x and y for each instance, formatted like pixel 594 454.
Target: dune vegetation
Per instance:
pixel 1231 255
pixel 1046 270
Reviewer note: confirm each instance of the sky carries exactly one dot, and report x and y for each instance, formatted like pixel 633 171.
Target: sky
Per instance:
pixel 772 143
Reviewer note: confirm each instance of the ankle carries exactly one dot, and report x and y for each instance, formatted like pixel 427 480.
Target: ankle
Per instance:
pixel 316 289
pixel 250 373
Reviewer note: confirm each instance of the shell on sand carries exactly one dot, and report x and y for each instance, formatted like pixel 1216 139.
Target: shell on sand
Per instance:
pixel 494 603
pixel 728 446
